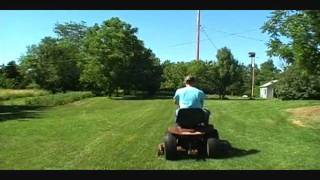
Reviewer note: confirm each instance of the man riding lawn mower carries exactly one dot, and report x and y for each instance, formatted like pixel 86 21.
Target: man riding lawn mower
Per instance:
pixel 192 132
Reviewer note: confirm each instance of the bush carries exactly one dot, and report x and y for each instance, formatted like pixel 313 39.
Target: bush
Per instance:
pixel 33 86
pixel 7 83
pixel 58 99
pixel 294 84
pixel 166 92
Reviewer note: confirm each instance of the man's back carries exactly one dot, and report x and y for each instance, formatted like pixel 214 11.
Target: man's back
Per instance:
pixel 189 97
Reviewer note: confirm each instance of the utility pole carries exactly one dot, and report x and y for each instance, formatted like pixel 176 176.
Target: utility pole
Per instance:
pixel 252 56
pixel 198 35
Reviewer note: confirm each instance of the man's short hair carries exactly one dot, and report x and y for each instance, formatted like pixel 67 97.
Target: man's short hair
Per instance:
pixel 189 79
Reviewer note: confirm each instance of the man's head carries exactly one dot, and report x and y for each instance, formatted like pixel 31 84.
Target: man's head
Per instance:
pixel 189 80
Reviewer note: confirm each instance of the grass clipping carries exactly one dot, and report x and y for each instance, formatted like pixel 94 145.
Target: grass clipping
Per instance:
pixel 306 116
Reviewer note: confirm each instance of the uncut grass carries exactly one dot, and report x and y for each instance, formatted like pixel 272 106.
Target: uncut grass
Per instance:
pixel 6 94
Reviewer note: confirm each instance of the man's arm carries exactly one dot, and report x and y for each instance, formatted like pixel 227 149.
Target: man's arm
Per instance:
pixel 203 96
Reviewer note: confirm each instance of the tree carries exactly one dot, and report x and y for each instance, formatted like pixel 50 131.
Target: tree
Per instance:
pixel 10 76
pixel 226 71
pixel 241 81
pixel 72 31
pixel 199 69
pixel 294 37
pixel 52 65
pixel 107 45
pixel 268 71
pixel 211 76
pixel 70 37
pixel 173 75
pixel 146 73
pixel 92 77
pixel 120 58
pixel 11 70
pixel 4 81
pixel 294 84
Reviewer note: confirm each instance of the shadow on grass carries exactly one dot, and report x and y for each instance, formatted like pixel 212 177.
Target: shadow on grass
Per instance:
pixel 141 97
pixel 155 97
pixel 236 152
pixel 235 99
pixel 19 112
pixel 171 97
pixel 228 99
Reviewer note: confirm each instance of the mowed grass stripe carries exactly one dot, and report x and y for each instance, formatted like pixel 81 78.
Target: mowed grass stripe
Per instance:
pixel 131 140
pixel 262 125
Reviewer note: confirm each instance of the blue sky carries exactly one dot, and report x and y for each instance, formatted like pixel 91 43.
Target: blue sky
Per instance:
pixel 171 34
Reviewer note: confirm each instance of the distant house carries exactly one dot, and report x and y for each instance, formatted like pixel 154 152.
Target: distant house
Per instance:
pixel 266 90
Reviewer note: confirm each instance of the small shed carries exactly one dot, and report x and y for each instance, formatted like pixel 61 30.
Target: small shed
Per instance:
pixel 267 89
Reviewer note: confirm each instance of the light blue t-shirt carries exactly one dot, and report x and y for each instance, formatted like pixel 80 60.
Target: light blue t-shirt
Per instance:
pixel 189 97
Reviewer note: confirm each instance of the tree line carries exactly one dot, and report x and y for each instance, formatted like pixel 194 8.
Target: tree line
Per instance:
pixel 109 58
pixel 102 58
pixel 223 76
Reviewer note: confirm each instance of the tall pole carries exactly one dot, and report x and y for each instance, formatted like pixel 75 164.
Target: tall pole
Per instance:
pixel 252 55
pixel 198 35
pixel 252 88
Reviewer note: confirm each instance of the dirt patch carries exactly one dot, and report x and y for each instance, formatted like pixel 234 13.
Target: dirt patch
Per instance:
pixel 298 123
pixel 305 116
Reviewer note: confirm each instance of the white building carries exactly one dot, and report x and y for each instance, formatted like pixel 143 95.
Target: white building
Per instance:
pixel 266 90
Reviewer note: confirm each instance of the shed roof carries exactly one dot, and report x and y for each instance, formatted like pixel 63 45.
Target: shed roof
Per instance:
pixel 269 83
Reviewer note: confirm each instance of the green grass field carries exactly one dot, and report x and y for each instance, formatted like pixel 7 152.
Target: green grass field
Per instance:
pixel 101 133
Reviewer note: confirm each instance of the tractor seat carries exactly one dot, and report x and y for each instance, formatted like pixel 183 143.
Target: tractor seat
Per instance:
pixel 190 118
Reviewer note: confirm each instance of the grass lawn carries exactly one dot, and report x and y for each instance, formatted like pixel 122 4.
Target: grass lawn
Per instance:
pixel 100 133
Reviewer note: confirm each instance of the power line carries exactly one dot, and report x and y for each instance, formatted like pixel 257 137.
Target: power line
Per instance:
pixel 209 38
pixel 183 44
pixel 237 34
pixel 246 31
pixel 186 43
pixel 246 37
